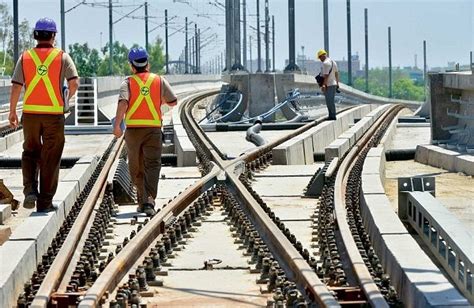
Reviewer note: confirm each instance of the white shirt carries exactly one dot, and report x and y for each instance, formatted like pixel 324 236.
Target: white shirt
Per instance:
pixel 327 64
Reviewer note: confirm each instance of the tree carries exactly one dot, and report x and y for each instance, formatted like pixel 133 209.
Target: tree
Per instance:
pixel 6 22
pixel 403 86
pixel 406 89
pixel 87 60
pixel 25 37
pixel 157 58
pixel 120 65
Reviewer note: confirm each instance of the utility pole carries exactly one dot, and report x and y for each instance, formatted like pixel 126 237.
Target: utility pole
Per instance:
pixel 110 39
pixel 250 54
pixel 229 39
pixel 273 42
pixel 237 50
pixel 389 62
pixel 146 26
pixel 302 59
pixel 292 66
pixel 63 26
pixel 196 49
pixel 186 45
pixel 15 32
pixel 191 55
pixel 259 43
pixel 326 25
pixel 267 38
pixel 221 62
pixel 424 64
pixel 166 42
pixel 244 42
pixel 349 54
pixel 366 18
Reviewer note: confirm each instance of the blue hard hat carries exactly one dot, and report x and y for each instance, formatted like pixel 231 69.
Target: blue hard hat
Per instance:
pixel 45 24
pixel 138 56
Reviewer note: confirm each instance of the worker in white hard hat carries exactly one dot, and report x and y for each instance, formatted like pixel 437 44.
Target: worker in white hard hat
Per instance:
pixel 330 81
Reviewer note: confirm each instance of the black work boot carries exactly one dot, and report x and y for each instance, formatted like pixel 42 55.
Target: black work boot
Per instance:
pixel 30 201
pixel 149 209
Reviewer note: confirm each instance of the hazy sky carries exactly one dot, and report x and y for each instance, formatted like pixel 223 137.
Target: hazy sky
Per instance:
pixel 446 25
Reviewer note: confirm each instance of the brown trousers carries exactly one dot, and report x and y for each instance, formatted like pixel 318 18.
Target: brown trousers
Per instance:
pixel 144 160
pixel 42 149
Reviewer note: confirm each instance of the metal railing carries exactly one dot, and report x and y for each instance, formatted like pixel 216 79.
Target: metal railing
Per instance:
pixel 445 236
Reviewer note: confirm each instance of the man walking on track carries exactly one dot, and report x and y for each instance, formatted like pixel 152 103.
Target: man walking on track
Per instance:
pixel 42 70
pixel 140 99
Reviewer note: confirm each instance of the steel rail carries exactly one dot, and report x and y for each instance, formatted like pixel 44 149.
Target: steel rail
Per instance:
pixel 121 264
pixel 303 274
pixel 65 255
pixel 250 156
pixel 211 149
pixel 370 289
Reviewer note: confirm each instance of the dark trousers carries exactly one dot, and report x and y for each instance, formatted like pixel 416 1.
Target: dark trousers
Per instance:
pixel 329 95
pixel 144 160
pixel 42 149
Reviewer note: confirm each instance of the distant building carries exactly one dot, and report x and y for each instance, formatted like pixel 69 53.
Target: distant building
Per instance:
pixel 355 64
pixel 308 66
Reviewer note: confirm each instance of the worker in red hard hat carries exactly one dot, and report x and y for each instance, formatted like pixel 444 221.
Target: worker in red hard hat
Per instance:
pixel 42 70
pixel 141 98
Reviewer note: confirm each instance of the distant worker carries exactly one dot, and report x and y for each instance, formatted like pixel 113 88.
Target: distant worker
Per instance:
pixel 329 81
pixel 42 70
pixel 140 101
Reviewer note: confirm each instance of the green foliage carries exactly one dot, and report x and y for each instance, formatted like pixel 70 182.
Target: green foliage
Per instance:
pixel 157 57
pixel 406 89
pixel 402 86
pixel 7 59
pixel 87 60
pixel 120 64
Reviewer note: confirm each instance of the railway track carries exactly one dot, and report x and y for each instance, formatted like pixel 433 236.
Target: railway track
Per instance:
pixel 98 258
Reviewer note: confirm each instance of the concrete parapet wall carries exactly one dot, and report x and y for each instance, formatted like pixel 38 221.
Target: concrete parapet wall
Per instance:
pixel 14 272
pixel 459 80
pixel 446 159
pixel 340 146
pixel 11 139
pixel 416 278
pixel 31 239
pixel 451 99
pixel 297 150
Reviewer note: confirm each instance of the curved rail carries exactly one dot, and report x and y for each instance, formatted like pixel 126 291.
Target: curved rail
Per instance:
pixel 122 263
pixel 302 273
pixel 62 260
pixel 364 277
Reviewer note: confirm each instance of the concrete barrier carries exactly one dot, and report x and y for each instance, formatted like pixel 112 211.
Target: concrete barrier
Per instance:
pixel 418 281
pixel 14 272
pixel 297 150
pixel 446 159
pixel 340 146
pixel 31 239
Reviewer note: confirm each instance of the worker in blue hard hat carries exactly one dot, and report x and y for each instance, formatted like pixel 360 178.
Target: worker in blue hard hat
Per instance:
pixel 141 99
pixel 42 70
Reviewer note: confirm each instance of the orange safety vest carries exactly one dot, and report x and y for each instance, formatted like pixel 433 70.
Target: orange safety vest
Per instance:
pixel 42 71
pixel 145 101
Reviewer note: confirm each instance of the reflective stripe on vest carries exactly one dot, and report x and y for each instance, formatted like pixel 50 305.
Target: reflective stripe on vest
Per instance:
pixel 148 92
pixel 34 101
